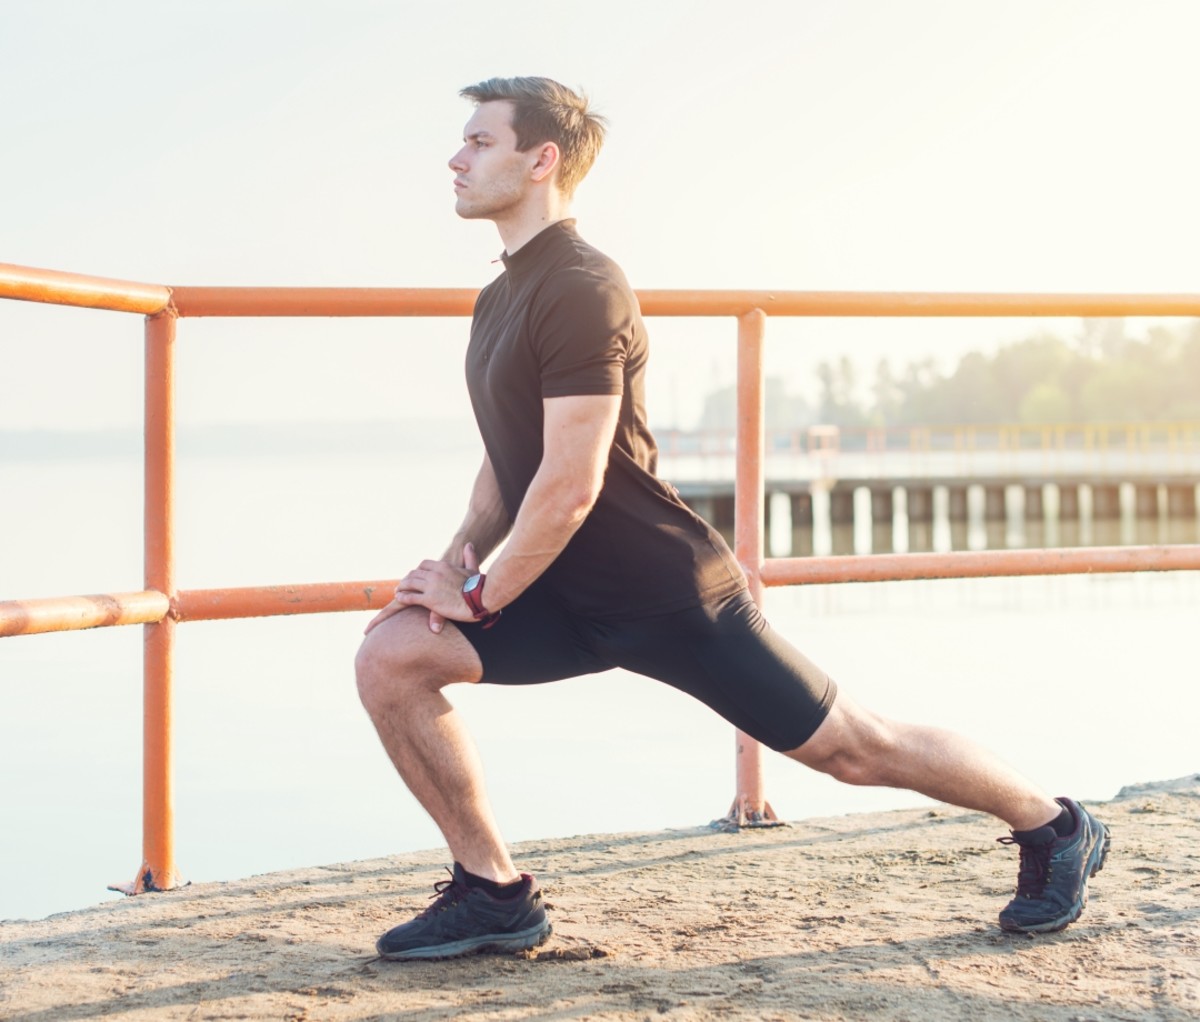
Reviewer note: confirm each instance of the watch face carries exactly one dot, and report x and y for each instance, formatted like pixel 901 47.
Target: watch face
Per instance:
pixel 471 584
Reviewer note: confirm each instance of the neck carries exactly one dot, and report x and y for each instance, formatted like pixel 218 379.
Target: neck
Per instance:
pixel 524 224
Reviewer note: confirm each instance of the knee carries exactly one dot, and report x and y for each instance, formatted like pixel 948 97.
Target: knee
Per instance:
pixel 401 660
pixel 851 766
pixel 370 676
pixel 860 752
pixel 383 674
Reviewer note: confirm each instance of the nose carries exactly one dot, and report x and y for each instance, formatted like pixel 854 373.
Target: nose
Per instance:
pixel 457 162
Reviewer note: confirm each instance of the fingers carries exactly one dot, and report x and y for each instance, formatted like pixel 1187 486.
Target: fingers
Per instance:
pixel 401 601
pixel 383 615
pixel 437 622
pixel 470 560
pixel 414 581
pixel 433 584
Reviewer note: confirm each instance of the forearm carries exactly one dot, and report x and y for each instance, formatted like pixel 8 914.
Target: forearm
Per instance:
pixel 551 513
pixel 577 434
pixel 437 585
pixel 486 522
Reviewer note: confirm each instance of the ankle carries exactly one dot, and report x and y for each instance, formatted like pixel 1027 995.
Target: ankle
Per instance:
pixel 1032 815
pixel 1063 824
pixel 496 888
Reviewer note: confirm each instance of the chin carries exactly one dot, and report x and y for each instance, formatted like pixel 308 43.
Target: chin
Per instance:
pixel 468 212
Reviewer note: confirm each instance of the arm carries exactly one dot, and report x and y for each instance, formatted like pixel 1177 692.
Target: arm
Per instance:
pixel 484 527
pixel 487 521
pixel 577 436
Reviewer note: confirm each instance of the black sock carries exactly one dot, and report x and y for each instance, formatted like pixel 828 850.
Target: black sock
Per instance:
pixel 1063 825
pixel 501 891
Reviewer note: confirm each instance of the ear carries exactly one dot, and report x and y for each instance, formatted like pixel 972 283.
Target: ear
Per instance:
pixel 548 157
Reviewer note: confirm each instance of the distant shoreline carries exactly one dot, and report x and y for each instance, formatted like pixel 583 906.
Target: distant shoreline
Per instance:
pixel 244 439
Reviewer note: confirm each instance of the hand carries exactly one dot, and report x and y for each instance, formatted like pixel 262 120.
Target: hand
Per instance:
pixel 436 585
pixel 470 563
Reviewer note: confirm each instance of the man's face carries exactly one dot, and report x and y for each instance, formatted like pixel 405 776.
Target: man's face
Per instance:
pixel 490 177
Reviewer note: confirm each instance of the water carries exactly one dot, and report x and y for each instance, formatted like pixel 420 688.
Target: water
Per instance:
pixel 1085 682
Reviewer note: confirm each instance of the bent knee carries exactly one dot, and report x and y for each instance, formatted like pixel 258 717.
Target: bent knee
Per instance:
pixel 860 750
pixel 371 676
pixel 401 658
pixel 370 673
pixel 384 666
pixel 851 766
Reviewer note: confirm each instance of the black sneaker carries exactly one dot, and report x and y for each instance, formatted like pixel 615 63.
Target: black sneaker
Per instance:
pixel 464 920
pixel 1052 881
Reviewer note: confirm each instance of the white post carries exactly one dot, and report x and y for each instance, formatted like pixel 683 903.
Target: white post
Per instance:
pixel 863 521
pixel 822 519
pixel 780 538
pixel 942 543
pixel 1014 514
pixel 900 520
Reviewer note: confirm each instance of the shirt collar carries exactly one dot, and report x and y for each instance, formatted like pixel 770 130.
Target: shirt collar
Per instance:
pixel 529 253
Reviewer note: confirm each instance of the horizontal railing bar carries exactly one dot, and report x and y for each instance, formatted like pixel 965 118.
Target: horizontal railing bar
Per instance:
pixel 782 571
pixel 53 287
pixel 287 301
pixel 272 601
pixel 66 613
pixel 70 613
pixel 323 301
pixel 852 303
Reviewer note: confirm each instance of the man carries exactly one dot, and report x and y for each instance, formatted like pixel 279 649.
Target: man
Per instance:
pixel 605 567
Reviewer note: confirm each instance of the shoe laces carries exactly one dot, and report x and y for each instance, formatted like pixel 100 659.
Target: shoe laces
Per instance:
pixel 447 894
pixel 1034 870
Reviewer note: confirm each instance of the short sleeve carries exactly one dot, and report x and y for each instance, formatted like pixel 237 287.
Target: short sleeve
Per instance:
pixel 581 328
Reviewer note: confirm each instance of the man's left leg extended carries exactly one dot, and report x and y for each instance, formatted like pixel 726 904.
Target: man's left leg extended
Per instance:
pixel 727 655
pixel 859 747
pixel 1062 845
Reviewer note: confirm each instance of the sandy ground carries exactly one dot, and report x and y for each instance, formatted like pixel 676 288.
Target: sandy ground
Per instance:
pixel 885 916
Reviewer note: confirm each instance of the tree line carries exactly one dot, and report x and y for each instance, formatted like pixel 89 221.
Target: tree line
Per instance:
pixel 1103 375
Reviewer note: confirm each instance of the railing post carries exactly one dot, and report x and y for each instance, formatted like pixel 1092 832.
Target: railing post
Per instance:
pixel 158 872
pixel 750 807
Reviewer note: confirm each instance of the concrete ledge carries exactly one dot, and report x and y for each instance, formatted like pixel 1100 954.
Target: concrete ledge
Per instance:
pixel 885 916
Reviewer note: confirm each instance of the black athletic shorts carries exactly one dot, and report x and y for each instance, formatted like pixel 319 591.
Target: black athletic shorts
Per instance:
pixel 725 654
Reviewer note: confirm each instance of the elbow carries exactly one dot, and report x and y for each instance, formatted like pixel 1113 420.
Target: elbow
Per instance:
pixel 567 495
pixel 580 499
pixel 579 508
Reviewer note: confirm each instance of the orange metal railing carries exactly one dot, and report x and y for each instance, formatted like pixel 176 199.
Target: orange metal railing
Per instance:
pixel 161 606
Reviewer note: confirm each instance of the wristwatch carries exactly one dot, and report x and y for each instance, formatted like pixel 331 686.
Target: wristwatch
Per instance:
pixel 472 591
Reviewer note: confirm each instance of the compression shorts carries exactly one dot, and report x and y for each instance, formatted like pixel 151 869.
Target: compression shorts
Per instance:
pixel 724 654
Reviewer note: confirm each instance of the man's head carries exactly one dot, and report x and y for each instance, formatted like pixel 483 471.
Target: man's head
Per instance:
pixel 545 111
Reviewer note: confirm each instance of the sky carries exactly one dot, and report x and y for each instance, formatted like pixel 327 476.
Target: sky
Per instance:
pixel 931 145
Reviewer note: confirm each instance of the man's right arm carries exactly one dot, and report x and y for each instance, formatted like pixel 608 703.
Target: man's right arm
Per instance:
pixel 484 528
pixel 486 523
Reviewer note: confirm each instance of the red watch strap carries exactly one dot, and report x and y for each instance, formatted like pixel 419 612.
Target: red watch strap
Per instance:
pixel 474 598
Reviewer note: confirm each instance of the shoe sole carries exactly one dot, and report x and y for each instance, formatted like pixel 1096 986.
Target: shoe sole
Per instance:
pixel 522 940
pixel 1095 863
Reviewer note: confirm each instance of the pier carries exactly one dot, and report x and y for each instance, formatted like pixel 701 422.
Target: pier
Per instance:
pixel 953 487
